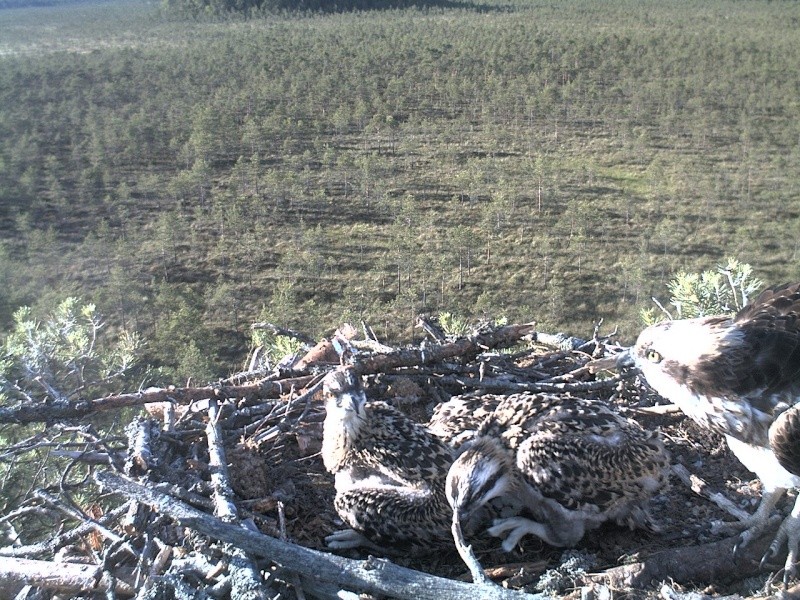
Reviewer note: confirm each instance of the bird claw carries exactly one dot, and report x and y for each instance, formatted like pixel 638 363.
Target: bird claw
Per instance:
pixel 788 536
pixel 771 552
pixel 747 536
pixel 344 539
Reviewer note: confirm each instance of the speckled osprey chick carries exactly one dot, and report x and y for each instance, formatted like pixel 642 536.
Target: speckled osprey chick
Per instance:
pixel 389 472
pixel 572 463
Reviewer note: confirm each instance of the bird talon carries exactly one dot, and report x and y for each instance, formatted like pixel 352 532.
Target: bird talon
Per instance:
pixel 768 555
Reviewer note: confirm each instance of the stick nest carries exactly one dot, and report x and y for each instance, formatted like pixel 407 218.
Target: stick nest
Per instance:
pixel 242 457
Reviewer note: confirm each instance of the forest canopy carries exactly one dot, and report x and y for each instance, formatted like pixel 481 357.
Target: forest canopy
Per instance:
pixel 249 7
pixel 188 177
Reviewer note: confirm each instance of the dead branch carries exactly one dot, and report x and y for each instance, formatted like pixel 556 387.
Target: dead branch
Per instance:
pixel 139 457
pixel 430 325
pixel 222 492
pixel 465 347
pixel 377 576
pixel 63 577
pixel 698 486
pixel 46 413
pixel 715 562
pixel 78 515
pixel 265 388
pixel 285 332
pixel 245 580
pixel 51 545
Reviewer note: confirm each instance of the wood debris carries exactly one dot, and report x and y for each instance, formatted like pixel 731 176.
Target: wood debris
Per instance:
pixel 218 491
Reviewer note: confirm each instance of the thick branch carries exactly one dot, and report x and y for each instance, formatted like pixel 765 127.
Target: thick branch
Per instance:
pixel 50 413
pixel 467 347
pixel 690 564
pixel 376 576
pixel 64 577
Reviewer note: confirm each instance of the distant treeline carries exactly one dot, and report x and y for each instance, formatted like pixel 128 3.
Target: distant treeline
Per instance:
pixel 554 162
pixel 36 3
pixel 216 7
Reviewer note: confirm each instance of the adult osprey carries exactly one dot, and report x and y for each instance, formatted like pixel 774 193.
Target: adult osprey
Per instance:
pixel 739 376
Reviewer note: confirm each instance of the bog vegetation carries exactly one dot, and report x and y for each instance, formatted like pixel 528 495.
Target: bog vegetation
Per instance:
pixel 534 161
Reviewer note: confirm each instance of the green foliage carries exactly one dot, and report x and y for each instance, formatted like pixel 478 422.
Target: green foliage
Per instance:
pixel 63 355
pixel 714 292
pixel 453 324
pixel 66 354
pixel 275 347
pixel 551 162
pixel 180 338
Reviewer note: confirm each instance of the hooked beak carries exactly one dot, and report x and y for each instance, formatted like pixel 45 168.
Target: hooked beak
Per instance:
pixel 618 362
pixel 625 360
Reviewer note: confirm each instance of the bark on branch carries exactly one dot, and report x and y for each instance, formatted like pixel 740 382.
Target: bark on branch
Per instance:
pixel 715 562
pixel 466 347
pixel 265 388
pixel 51 413
pixel 376 576
pixel 70 578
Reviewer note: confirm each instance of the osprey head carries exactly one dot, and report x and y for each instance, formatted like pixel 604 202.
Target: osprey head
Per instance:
pixel 344 398
pixel 482 472
pixel 687 356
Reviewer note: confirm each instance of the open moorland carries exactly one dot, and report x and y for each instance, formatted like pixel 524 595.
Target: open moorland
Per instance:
pixel 541 161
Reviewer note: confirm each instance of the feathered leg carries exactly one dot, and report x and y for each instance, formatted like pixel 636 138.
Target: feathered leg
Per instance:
pixel 784 440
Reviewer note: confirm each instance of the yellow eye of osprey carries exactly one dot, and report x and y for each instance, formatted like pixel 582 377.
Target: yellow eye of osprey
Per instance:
pixel 653 356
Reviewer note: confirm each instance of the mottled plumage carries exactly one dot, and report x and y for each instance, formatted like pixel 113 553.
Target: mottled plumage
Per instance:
pixel 457 420
pixel 572 464
pixel 739 376
pixel 389 472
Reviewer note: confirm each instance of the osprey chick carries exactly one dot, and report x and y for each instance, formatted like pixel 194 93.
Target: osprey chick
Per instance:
pixel 572 464
pixel 389 472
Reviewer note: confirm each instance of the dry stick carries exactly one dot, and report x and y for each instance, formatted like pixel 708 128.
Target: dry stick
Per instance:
pixel 222 492
pixel 91 458
pixel 79 516
pixel 246 582
pixel 139 456
pixel 296 581
pixel 49 413
pixel 69 578
pixel 708 563
pixel 468 347
pixel 290 333
pixel 700 487
pixel 466 553
pixel 50 546
pixel 264 388
pixel 376 576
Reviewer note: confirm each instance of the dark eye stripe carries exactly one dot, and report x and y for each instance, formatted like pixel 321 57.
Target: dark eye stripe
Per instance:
pixel 489 484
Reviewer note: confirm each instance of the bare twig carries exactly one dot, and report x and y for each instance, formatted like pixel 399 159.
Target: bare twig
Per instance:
pixel 698 486
pixel 50 546
pixel 467 555
pixel 79 516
